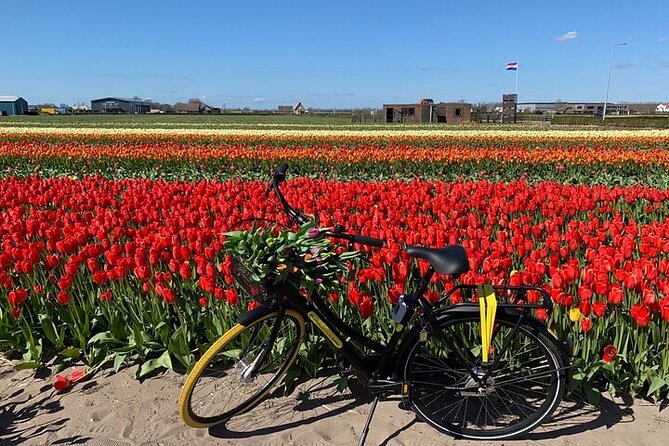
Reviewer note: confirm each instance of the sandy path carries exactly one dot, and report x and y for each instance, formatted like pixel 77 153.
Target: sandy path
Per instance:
pixel 116 410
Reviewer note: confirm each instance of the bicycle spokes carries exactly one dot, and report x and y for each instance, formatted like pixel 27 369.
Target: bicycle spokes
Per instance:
pixel 457 391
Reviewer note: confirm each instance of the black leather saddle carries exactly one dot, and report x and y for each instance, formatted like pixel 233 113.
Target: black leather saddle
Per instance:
pixel 449 260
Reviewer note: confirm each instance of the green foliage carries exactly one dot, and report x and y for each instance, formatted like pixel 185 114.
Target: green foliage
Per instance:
pixel 652 121
pixel 304 259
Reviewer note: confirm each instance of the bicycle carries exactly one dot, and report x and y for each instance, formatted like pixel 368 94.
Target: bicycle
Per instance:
pixel 477 369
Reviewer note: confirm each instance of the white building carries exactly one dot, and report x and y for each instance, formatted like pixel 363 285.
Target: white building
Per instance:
pixel 662 108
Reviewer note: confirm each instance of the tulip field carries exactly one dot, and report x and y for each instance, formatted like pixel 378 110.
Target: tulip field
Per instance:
pixel 111 239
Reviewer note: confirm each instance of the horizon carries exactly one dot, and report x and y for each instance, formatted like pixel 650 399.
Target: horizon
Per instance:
pixel 344 55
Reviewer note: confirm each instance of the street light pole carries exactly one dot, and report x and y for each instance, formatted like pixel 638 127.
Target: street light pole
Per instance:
pixel 608 83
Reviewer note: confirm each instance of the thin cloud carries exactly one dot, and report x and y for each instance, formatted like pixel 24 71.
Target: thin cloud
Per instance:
pixel 571 35
pixel 332 95
pixel 661 40
pixel 623 66
pixel 119 75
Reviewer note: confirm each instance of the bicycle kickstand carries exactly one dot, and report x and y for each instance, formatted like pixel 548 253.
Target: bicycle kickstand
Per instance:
pixel 365 430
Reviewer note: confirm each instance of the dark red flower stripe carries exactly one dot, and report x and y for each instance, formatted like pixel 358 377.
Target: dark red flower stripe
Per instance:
pixel 592 246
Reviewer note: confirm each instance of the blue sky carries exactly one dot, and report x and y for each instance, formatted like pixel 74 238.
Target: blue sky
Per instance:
pixel 332 54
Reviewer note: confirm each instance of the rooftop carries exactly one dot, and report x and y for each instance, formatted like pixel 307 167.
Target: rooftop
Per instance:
pixel 114 98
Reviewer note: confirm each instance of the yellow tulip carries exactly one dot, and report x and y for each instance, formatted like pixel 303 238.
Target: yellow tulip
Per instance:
pixel 574 314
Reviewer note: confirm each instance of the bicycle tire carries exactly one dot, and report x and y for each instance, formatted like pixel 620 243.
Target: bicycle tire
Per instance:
pixel 438 384
pixel 221 361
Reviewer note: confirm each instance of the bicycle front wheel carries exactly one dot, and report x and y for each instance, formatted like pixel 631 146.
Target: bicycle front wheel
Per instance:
pixel 444 373
pixel 241 368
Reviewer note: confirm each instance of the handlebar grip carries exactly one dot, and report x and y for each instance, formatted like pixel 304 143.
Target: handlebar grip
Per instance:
pixel 371 241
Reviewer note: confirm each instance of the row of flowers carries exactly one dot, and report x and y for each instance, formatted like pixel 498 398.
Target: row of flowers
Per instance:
pixel 363 135
pixel 114 270
pixel 367 153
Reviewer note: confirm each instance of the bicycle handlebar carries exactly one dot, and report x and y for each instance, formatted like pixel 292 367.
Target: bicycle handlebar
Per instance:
pixel 278 177
pixel 371 241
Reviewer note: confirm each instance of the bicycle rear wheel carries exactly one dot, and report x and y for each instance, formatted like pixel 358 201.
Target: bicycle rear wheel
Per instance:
pixel 521 391
pixel 241 368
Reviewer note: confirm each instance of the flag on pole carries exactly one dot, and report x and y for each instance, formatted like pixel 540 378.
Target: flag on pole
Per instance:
pixel 512 66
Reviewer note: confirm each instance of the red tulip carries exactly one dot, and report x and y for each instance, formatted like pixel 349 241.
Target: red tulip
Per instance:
pixel 599 309
pixel 366 307
pixel 664 308
pixel 231 296
pixel 78 375
pixel 616 295
pixel 15 297
pixel 585 307
pixel 61 383
pixel 63 298
pixel 106 296
pixel 640 315
pixel 610 352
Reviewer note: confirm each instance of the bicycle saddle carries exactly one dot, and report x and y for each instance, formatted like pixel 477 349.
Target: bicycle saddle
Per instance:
pixel 449 260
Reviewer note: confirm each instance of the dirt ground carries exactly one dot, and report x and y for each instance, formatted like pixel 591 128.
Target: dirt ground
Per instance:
pixel 117 410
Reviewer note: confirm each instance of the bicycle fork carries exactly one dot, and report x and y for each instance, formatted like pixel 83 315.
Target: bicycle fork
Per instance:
pixel 249 371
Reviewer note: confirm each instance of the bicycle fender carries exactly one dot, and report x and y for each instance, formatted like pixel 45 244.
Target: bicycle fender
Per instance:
pixel 563 347
pixel 263 310
pixel 258 312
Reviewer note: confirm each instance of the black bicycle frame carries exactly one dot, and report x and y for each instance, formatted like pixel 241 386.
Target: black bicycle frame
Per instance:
pixel 343 338
pixel 337 331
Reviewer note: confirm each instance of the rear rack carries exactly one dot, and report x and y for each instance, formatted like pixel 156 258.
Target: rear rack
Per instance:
pixel 508 296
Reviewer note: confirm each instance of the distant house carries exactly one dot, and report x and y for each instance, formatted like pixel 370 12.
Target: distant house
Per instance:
pixel 662 108
pixel 427 111
pixel 13 105
pixel 119 105
pixel 192 107
pixel 297 109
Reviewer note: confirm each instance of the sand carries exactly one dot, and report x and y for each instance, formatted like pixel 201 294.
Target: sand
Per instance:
pixel 117 410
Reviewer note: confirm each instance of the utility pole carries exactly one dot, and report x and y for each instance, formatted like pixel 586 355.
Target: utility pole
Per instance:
pixel 608 83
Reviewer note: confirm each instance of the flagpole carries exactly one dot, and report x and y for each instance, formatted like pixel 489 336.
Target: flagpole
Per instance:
pixel 517 82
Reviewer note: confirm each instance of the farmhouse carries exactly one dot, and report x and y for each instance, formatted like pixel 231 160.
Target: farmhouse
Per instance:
pixel 119 105
pixel 297 109
pixel 427 111
pixel 13 105
pixel 192 107
pixel 662 108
